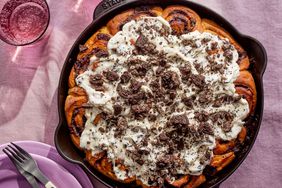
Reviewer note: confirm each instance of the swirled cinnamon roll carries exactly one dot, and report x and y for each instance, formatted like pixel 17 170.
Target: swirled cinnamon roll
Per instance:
pixel 96 45
pixel 212 27
pixel 182 19
pixel 116 24
pixel 245 86
pixel 74 112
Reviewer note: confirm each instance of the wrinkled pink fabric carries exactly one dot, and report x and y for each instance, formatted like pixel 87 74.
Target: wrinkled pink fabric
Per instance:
pixel 29 79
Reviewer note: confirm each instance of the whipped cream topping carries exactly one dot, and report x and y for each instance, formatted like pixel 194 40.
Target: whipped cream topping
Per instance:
pixel 164 100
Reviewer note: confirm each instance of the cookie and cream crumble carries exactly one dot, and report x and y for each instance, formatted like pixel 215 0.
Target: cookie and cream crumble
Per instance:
pixel 164 100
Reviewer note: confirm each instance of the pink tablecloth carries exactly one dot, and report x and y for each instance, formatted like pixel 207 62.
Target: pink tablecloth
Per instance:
pixel 29 78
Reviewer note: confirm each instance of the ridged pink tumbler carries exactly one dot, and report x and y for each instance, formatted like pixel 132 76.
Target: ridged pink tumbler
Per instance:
pixel 23 22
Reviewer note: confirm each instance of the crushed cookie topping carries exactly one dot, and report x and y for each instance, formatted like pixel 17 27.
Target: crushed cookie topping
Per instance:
pixel 163 98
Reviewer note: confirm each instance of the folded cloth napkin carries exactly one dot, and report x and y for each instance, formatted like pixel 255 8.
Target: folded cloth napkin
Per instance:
pixel 29 79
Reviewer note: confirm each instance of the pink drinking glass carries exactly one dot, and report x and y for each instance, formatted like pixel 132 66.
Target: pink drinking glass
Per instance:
pixel 23 22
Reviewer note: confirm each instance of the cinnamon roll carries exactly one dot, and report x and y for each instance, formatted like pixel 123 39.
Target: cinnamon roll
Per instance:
pixel 245 86
pixel 116 24
pixel 212 27
pixel 74 112
pixel 95 45
pixel 182 19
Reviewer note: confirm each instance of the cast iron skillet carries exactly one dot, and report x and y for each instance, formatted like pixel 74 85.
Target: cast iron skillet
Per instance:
pixel 102 14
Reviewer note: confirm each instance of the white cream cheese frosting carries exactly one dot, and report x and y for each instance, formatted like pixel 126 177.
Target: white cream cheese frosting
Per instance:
pixel 212 71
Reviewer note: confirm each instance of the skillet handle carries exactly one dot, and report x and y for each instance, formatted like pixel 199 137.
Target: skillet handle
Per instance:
pixel 106 5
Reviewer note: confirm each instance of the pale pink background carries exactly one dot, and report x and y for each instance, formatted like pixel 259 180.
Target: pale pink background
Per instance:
pixel 29 79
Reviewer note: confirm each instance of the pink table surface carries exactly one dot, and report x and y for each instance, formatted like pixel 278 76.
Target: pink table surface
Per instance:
pixel 29 79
